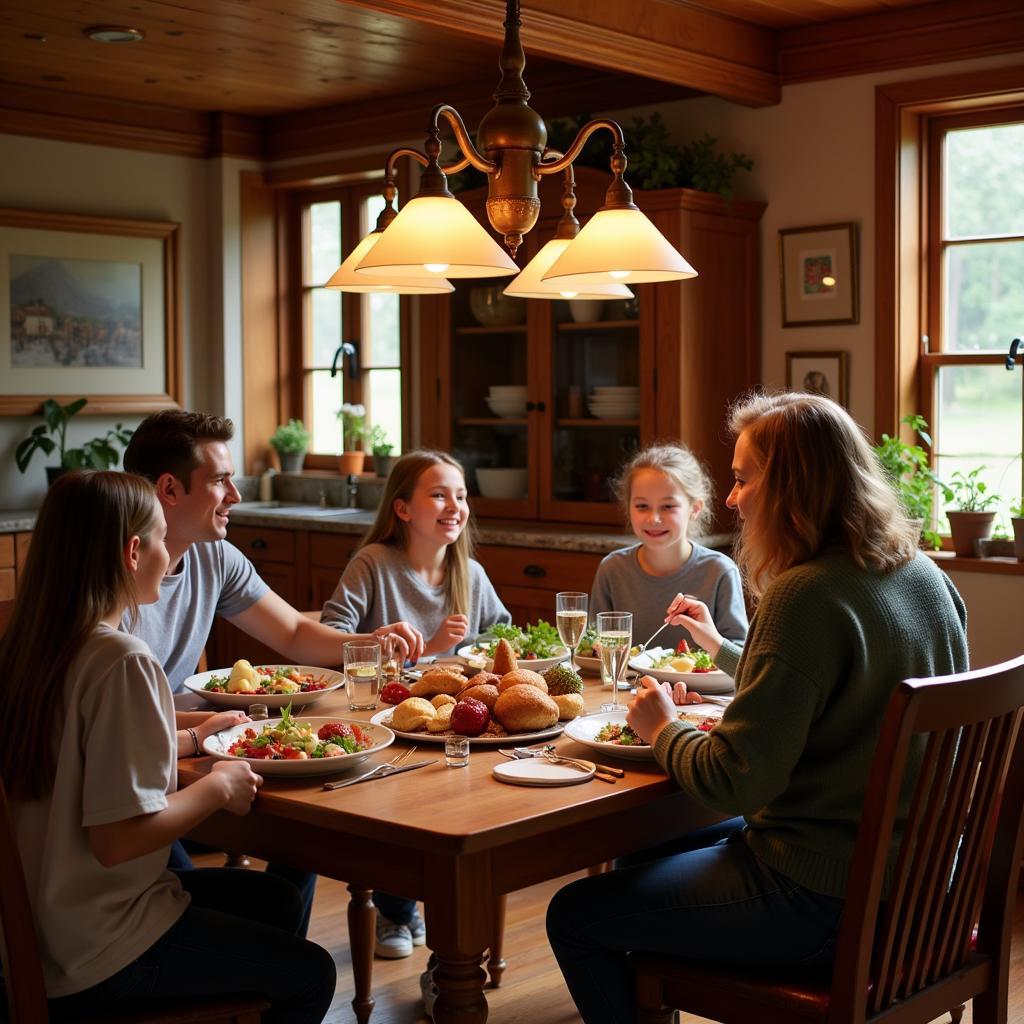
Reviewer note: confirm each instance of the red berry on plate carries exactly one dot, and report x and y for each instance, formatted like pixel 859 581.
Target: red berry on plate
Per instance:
pixel 333 730
pixel 470 717
pixel 394 693
pixel 683 648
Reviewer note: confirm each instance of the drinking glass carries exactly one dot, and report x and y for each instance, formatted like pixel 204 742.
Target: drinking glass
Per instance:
pixel 456 750
pixel 615 635
pixel 571 618
pixel 362 674
pixel 258 712
pixel 390 659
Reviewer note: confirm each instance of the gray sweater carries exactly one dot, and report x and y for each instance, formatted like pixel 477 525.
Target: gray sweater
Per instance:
pixel 379 586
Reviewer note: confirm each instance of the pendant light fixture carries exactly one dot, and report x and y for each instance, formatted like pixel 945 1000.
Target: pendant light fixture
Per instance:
pixel 435 236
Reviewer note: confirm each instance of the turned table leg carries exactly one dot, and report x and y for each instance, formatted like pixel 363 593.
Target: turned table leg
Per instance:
pixel 496 961
pixel 460 990
pixel 362 918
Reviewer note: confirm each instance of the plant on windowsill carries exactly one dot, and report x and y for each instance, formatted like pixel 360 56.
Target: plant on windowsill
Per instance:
pixel 973 518
pixel 377 438
pixel 353 430
pixel 907 467
pixel 1017 520
pixel 290 441
pixel 99 453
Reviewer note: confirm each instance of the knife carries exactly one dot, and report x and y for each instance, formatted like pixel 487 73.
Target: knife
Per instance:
pixel 377 774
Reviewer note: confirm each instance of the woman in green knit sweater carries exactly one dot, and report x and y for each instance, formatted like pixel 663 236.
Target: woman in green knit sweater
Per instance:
pixel 847 607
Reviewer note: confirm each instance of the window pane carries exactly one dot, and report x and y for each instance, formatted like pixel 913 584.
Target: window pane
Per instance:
pixel 984 181
pixel 384 404
pixel 979 422
pixel 372 205
pixel 323 397
pixel 326 327
pixel 324 242
pixel 984 292
pixel 380 330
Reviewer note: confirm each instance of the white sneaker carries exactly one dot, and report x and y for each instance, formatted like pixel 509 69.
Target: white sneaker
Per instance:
pixel 418 929
pixel 394 941
pixel 428 990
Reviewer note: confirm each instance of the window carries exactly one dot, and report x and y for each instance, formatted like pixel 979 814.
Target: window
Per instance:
pixel 360 335
pixel 973 296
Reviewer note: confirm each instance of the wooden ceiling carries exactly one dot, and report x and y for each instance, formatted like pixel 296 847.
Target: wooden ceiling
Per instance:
pixel 263 67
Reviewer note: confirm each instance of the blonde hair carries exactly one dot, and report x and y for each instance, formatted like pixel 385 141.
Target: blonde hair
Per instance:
pixel 682 467
pixel 68 587
pixel 821 486
pixel 389 529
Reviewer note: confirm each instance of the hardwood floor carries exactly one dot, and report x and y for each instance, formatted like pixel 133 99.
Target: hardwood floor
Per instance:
pixel 532 991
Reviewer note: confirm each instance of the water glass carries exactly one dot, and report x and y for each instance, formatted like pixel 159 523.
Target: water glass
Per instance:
pixel 456 751
pixel 571 619
pixel 390 659
pixel 362 674
pixel 615 635
pixel 258 712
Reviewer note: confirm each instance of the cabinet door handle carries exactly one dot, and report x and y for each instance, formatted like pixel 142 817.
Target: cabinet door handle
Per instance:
pixel 530 406
pixel 541 407
pixel 536 571
pixel 259 544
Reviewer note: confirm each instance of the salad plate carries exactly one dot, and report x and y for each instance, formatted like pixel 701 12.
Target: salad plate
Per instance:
pixel 382 718
pixel 703 682
pixel 476 657
pixel 591 664
pixel 218 744
pixel 241 701
pixel 585 730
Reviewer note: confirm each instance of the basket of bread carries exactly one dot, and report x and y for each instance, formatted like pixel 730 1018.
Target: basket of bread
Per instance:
pixel 508 701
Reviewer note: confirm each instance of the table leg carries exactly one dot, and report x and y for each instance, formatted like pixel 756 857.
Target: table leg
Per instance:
pixel 362 919
pixel 460 990
pixel 495 961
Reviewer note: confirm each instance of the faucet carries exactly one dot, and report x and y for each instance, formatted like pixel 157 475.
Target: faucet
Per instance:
pixel 353 491
pixel 323 497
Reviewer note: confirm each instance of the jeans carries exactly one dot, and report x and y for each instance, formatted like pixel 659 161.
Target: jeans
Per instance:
pixel 703 897
pixel 396 909
pixel 237 935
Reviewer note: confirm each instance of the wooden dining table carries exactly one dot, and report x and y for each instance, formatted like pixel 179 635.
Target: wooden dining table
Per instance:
pixel 455 838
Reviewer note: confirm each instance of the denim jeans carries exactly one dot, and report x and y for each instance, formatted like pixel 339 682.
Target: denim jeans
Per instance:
pixel 238 935
pixel 703 897
pixel 396 909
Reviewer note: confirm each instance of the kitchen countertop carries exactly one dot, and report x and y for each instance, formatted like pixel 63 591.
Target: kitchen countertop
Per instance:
pixel 17 521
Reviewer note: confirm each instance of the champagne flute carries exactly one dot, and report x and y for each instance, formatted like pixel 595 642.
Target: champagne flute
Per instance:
pixel 615 635
pixel 571 619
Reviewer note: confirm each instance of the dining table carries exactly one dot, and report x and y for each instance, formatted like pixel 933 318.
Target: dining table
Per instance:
pixel 458 839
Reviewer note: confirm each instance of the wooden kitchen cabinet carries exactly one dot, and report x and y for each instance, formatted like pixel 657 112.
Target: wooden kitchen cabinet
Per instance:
pixel 8 576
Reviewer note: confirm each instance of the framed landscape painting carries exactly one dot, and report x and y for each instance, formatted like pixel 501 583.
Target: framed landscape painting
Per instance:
pixel 818 275
pixel 820 373
pixel 88 307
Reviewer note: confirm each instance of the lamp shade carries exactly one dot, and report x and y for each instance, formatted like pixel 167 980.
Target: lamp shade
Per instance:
pixel 619 246
pixel 435 237
pixel 345 278
pixel 528 285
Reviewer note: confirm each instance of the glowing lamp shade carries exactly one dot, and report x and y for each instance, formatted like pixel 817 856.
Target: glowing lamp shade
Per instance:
pixel 435 237
pixel 619 246
pixel 528 285
pixel 345 278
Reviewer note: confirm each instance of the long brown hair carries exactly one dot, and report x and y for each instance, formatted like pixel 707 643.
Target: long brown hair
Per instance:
pixel 75 574
pixel 821 487
pixel 389 529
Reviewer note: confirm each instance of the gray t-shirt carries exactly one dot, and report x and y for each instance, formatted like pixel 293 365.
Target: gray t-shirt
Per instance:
pixel 214 578
pixel 622 585
pixel 379 586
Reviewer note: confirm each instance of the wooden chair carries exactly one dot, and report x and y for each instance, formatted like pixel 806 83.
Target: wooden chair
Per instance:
pixel 23 969
pixel 943 935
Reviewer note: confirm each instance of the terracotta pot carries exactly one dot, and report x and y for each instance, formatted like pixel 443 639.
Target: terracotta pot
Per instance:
pixel 1018 537
pixel 968 527
pixel 351 462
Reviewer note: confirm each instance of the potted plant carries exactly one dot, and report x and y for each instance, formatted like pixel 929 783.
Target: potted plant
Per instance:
pixel 353 430
pixel 290 441
pixel 973 518
pixel 909 471
pixel 381 450
pixel 1017 519
pixel 99 453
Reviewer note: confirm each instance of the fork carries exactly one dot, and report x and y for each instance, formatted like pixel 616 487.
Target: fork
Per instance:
pixel 643 647
pixel 381 769
pixel 600 771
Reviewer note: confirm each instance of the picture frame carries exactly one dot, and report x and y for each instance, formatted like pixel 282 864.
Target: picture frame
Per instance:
pixel 89 307
pixel 820 373
pixel 818 275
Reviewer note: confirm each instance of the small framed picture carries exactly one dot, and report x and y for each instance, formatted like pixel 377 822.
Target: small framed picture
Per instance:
pixel 820 373
pixel 818 274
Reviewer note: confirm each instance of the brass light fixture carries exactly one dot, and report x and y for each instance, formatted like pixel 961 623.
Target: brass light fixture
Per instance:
pixel 435 237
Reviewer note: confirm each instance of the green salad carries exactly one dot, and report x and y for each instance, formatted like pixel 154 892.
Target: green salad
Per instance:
pixel 586 648
pixel 538 641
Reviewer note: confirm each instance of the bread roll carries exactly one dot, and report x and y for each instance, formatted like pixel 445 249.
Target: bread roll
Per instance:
pixel 484 678
pixel 570 705
pixel 525 709
pixel 441 722
pixel 412 714
pixel 522 677
pixel 438 680
pixel 504 658
pixel 482 691
pixel 441 699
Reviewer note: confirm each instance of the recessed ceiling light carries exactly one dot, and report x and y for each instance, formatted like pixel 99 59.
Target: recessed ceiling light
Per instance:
pixel 114 34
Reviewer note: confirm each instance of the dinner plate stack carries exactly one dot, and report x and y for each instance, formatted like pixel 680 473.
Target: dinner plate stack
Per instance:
pixel 614 403
pixel 507 401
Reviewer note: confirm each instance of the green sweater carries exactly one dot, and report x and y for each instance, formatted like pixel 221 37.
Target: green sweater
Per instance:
pixel 793 751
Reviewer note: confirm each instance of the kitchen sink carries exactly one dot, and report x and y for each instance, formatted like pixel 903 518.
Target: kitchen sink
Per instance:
pixel 278 508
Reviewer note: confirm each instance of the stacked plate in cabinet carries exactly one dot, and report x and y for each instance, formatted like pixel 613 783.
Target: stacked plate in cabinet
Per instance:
pixel 614 403
pixel 507 401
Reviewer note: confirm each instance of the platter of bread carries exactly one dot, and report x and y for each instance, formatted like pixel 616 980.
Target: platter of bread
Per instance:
pixel 489 707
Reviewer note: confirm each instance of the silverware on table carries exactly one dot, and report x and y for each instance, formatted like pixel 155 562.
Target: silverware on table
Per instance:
pixel 382 771
pixel 643 647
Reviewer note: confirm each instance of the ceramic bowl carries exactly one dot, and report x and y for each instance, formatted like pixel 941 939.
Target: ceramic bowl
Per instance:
pixel 494 309
pixel 502 483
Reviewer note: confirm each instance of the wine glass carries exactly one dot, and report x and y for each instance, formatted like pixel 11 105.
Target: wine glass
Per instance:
pixel 615 635
pixel 571 619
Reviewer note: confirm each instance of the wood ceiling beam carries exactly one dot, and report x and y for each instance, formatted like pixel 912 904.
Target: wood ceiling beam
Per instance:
pixel 670 41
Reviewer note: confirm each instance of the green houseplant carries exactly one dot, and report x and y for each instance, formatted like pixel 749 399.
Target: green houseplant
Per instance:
pixel 353 430
pixel 290 441
pixel 909 471
pixel 51 434
pixel 377 438
pixel 973 518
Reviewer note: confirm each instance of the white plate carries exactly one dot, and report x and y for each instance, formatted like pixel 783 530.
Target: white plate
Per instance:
pixel 218 744
pixel 536 771
pixel 534 664
pixel 590 664
pixel 703 682
pixel 584 730
pixel 483 741
pixel 241 701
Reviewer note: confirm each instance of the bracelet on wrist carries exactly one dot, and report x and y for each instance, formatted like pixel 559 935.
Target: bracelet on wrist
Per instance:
pixel 196 750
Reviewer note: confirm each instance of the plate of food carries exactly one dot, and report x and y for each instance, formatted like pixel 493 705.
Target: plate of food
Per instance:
pixel 587 655
pixel 299 746
pixel 609 733
pixel 537 647
pixel 693 667
pixel 274 685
